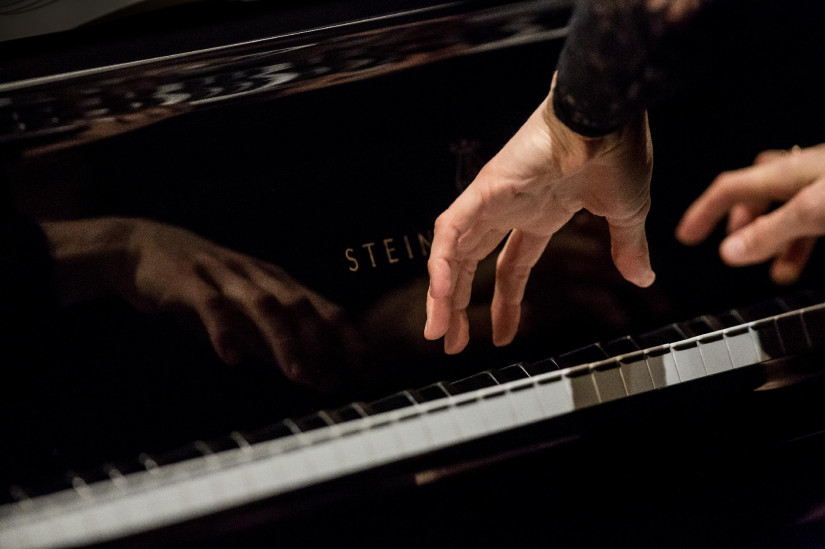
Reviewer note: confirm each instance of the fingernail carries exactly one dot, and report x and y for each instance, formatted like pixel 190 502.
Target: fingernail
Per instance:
pixel 733 248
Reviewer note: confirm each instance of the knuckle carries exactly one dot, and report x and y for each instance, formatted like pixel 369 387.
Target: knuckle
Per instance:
pixel 442 222
pixel 214 305
pixel 809 209
pixel 336 315
pixel 300 304
pixel 261 300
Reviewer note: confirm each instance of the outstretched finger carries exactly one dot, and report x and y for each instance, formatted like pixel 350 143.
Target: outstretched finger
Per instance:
pixel 628 246
pixel 787 267
pixel 768 235
pixel 458 331
pixel 450 226
pixel 777 180
pixel 513 267
pixel 744 213
pixel 769 155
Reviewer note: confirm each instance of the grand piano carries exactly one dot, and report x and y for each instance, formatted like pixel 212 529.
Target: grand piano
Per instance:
pixel 324 139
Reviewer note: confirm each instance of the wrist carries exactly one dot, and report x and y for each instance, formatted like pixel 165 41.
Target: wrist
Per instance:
pixel 90 255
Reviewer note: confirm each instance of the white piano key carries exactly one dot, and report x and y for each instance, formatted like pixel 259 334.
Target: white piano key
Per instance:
pixel 165 501
pixel 354 450
pixel 233 485
pixel 636 374
pixel 715 354
pixel 524 400
pixel 497 410
pixel 14 537
pixel 110 517
pixel 384 442
pixel 689 361
pixel 198 491
pixel 65 529
pixel 414 434
pixel 583 388
pixel 662 367
pixel 322 458
pixel 609 382
pixel 741 346
pixel 555 395
pixel 442 426
pixel 470 419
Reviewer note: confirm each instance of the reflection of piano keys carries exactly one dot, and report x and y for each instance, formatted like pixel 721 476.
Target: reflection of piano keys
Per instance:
pixel 295 454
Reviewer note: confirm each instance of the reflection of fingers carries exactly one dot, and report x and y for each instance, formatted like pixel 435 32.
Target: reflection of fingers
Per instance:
pixel 269 316
pixel 213 312
pixel 743 213
pixel 778 180
pixel 628 246
pixel 513 267
pixel 788 266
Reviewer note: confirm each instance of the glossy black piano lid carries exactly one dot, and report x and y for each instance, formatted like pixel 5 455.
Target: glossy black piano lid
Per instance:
pixel 299 181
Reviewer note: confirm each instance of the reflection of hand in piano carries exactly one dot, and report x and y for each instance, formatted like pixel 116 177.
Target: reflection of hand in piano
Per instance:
pixel 248 308
pixel 787 234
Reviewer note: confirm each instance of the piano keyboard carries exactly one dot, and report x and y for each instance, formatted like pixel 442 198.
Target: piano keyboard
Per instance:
pixel 294 454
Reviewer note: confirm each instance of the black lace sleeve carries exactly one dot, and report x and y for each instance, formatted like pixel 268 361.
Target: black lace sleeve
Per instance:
pixel 619 56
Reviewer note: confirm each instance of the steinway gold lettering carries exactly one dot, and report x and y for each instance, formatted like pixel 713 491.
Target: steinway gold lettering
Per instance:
pixel 368 246
pixel 393 252
pixel 389 250
pixel 348 253
pixel 425 243
pixel 408 247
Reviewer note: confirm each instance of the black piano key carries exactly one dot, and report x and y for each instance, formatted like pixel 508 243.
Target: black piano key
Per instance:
pixel 349 412
pixel 769 339
pixel 815 323
pixel 729 319
pixel 792 331
pixel 473 383
pixel 312 422
pixel 123 468
pixel 802 299
pixel 666 334
pixel 13 494
pixel 620 346
pixel 700 326
pixel 222 444
pixel 584 355
pixel 436 391
pixel 510 373
pixel 393 402
pixel 183 453
pixel 93 476
pixel 270 432
pixel 763 309
pixel 542 367
pixel 49 486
